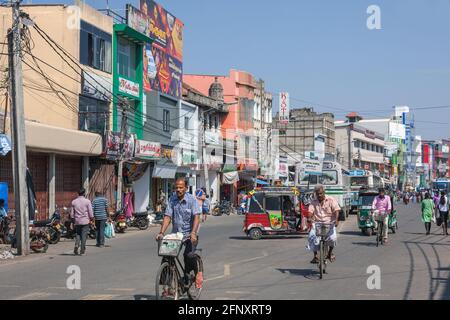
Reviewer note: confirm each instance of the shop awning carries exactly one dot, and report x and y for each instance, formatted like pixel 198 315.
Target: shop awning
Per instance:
pixel 262 182
pixel 230 177
pixel 164 172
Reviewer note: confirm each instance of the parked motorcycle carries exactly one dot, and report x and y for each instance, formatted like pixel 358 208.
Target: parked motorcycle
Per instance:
pixel 139 220
pixel 120 222
pixel 68 230
pixel 53 226
pixel 224 207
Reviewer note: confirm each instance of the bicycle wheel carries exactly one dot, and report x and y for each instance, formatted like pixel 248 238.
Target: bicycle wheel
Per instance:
pixel 379 233
pixel 321 259
pixel 194 292
pixel 166 285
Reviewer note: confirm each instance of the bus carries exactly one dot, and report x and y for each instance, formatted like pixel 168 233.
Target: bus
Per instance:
pixel 336 182
pixel 442 184
pixel 363 178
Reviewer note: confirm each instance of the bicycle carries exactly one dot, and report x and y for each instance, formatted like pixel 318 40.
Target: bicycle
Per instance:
pixel 322 231
pixel 379 218
pixel 169 277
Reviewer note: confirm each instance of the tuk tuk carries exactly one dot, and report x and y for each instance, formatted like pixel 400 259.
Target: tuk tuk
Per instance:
pixel 275 211
pixel 365 216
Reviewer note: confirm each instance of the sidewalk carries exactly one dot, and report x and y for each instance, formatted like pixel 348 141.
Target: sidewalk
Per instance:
pixel 63 246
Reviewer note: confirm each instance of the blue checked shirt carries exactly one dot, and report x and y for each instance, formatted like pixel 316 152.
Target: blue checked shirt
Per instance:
pixel 182 213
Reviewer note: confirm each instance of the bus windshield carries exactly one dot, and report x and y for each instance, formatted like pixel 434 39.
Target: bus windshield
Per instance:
pixel 440 185
pixel 328 177
pixel 366 200
pixel 359 181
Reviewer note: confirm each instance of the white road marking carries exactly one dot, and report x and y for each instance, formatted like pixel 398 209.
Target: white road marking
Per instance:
pixel 226 270
pixel 265 254
pixel 238 292
pixel 8 286
pixel 33 295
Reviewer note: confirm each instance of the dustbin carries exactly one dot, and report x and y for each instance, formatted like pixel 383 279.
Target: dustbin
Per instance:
pixel 4 193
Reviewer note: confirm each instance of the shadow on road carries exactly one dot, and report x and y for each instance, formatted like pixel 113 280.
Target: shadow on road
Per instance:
pixel 367 244
pixel 307 273
pixel 352 233
pixel 269 237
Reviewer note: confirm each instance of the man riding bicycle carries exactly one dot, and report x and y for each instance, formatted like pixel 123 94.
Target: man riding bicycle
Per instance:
pixel 184 213
pixel 323 209
pixel 383 205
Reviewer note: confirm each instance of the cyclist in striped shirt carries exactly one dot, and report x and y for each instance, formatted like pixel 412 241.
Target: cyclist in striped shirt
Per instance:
pixel 100 207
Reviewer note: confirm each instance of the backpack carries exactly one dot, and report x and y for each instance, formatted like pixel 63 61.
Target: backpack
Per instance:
pixel 442 201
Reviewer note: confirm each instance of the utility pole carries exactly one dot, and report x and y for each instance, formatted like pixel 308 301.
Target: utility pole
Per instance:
pixel 18 132
pixel 349 128
pixel 205 166
pixel 123 127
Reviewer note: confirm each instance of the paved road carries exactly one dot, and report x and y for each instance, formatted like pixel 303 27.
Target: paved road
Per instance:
pixel 413 266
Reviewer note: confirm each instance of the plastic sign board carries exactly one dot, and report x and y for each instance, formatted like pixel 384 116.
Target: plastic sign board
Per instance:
pixel 357 173
pixel 5 144
pixel 312 167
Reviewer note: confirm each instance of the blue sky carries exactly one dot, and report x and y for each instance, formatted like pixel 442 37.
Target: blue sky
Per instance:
pixel 323 54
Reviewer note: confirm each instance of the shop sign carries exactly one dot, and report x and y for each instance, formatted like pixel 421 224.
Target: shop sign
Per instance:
pixel 129 87
pixel 147 149
pixel 113 146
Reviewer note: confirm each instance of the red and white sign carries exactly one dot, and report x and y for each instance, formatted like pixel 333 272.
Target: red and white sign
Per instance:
pixel 284 108
pixel 129 87
pixel 147 150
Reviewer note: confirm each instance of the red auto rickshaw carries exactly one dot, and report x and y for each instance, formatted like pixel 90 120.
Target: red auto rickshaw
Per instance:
pixel 275 211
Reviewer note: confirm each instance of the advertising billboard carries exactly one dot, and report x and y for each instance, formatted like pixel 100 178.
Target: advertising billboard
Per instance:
pixel 163 70
pixel 397 131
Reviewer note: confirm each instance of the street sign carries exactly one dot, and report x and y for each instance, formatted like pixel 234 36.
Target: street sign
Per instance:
pixel 312 167
pixel 284 108
pixel 357 173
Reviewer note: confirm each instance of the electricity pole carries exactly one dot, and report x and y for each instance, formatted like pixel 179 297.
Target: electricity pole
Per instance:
pixel 123 129
pixel 18 131
pixel 205 166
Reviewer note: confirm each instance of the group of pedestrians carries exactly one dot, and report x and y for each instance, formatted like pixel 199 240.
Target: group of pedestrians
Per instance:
pixel 84 212
pixel 436 210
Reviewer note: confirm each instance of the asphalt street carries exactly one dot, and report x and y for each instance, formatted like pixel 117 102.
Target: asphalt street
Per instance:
pixel 412 266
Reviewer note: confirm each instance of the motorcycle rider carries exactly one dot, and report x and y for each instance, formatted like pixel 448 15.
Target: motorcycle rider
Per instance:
pixel 382 204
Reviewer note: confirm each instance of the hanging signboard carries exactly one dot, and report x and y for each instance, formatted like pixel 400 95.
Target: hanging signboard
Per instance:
pixel 312 167
pixel 147 150
pixel 113 146
pixel 129 87
pixel 284 107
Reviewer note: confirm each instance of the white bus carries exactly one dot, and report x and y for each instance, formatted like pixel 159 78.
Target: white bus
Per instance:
pixel 363 178
pixel 336 181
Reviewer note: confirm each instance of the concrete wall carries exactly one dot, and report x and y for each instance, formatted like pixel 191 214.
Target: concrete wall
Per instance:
pixel 42 105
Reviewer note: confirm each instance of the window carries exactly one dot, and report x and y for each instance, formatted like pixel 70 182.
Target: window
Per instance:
pixel 186 123
pixel 363 145
pixel 312 179
pixel 126 52
pixel 273 203
pixel 95 47
pixel 166 120
pixel 328 177
pixel 357 144
pixel 254 206
pixel 93 115
pixel 216 122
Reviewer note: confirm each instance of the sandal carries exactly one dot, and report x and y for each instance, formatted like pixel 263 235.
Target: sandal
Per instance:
pixel 315 260
pixel 332 258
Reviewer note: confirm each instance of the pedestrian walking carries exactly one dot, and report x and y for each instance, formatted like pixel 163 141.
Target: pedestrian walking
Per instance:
pixel 3 213
pixel 82 215
pixel 100 208
pixel 427 212
pixel 443 211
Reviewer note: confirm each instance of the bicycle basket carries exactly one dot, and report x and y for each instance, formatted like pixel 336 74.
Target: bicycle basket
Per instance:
pixel 322 230
pixel 169 248
pixel 379 217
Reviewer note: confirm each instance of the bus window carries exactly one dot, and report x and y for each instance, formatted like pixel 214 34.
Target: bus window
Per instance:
pixel 359 181
pixel 312 179
pixel 329 177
